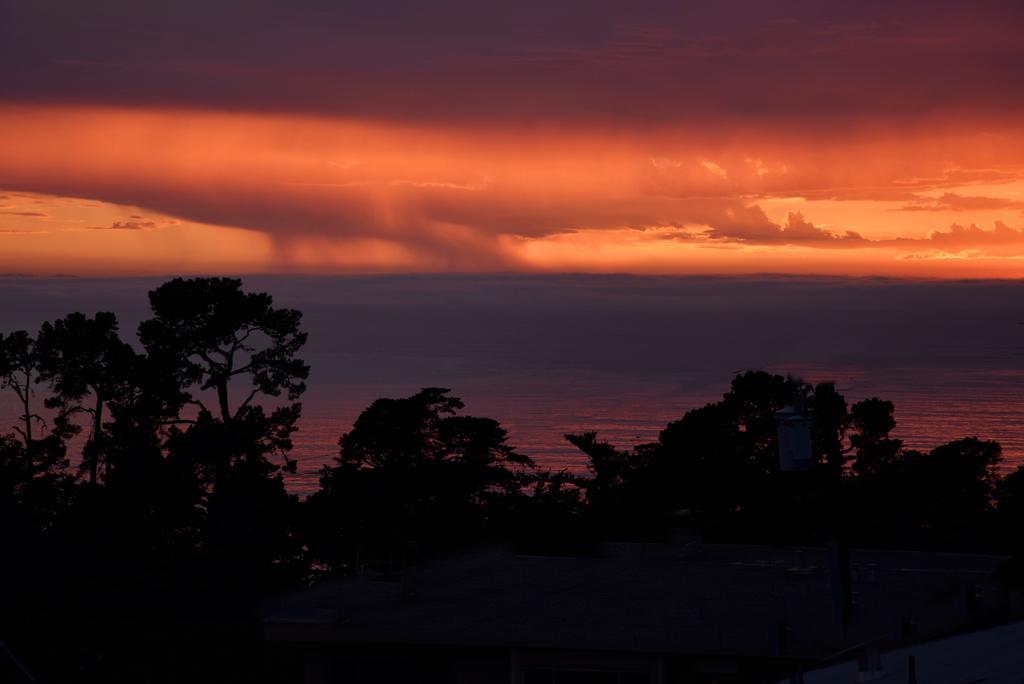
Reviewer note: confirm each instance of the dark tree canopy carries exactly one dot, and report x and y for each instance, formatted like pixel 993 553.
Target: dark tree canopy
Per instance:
pixel 701 455
pixel 413 471
pixel 831 420
pixel 953 483
pixel 84 357
pixel 610 466
pixel 751 403
pixel 212 332
pixel 423 429
pixel 81 355
pixel 192 521
pixel 19 371
pixel 872 420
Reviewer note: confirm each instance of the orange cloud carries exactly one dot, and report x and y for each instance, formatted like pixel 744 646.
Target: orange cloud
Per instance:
pixel 1001 240
pixel 951 201
pixel 754 227
pixel 323 193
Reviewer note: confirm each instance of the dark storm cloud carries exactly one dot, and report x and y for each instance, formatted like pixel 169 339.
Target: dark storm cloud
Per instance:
pixel 752 226
pixel 469 61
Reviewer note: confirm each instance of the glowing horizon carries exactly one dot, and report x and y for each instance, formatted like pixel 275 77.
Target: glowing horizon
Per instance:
pixel 740 151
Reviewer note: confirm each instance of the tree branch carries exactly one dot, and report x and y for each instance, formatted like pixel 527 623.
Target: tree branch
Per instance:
pixel 201 405
pixel 244 369
pixel 248 399
pixel 206 357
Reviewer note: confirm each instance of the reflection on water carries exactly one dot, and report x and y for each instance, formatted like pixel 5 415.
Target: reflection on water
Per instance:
pixel 932 407
pixel 622 355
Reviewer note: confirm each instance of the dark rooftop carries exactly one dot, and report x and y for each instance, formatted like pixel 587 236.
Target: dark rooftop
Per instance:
pixel 676 598
pixel 991 656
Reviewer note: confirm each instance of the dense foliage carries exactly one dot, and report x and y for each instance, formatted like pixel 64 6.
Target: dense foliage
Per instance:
pixel 155 533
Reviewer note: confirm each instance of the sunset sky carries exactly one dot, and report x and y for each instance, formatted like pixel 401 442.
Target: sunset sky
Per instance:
pixel 464 136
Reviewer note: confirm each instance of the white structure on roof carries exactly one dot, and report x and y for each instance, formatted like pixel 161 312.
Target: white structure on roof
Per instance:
pixel 796 449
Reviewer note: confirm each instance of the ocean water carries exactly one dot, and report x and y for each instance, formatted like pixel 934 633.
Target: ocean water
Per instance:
pixel 622 355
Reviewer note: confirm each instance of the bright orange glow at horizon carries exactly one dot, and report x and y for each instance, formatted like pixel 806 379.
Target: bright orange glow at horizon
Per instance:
pixel 127 191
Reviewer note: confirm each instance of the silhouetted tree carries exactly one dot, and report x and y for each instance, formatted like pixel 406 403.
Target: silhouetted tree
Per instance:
pixel 211 332
pixel 625 496
pixel 704 466
pixel 1009 498
pixel 247 537
pixel 831 419
pixel 951 487
pixel 34 498
pixel 712 463
pixel 425 429
pixel 874 451
pixel 718 455
pixel 611 467
pixel 208 332
pixel 751 402
pixel 33 485
pixel 551 518
pixel 194 517
pixel 412 472
pixel 83 357
pixel 19 371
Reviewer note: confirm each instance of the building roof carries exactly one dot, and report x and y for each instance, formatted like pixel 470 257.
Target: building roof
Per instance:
pixel 664 598
pixel 992 656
